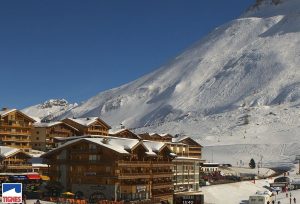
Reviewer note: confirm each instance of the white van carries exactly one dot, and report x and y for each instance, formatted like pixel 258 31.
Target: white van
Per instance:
pixel 259 199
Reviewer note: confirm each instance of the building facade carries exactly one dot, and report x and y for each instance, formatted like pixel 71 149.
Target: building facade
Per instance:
pixel 14 160
pixel 114 168
pixel 43 134
pixel 15 129
pixel 186 164
pixel 88 126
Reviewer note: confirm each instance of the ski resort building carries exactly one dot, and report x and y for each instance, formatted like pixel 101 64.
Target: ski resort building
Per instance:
pixel 15 129
pixel 88 126
pixel 114 168
pixel 43 134
pixel 187 162
pixel 13 160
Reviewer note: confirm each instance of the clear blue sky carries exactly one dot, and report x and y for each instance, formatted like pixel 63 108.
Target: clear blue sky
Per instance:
pixel 74 49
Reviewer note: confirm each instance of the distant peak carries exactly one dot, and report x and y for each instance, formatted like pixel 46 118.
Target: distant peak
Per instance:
pixel 54 102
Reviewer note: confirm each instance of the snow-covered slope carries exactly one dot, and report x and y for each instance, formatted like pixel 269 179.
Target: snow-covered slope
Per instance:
pixel 49 109
pixel 238 87
pixel 249 61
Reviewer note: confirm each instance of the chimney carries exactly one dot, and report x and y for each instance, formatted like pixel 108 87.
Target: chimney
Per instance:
pixel 87 118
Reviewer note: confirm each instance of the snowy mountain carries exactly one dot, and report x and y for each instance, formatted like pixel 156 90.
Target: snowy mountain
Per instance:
pixel 49 109
pixel 237 88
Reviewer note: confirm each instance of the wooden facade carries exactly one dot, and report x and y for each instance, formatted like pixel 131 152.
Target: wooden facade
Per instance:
pixel 88 126
pixel 156 137
pixel 44 133
pixel 187 162
pixel 13 160
pixel 114 168
pixel 15 129
pixel 124 133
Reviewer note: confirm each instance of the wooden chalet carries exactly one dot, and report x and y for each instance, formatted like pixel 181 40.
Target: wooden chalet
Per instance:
pixel 44 133
pixel 124 133
pixel 194 149
pixel 114 168
pixel 187 162
pixel 14 160
pixel 88 126
pixel 15 129
pixel 156 137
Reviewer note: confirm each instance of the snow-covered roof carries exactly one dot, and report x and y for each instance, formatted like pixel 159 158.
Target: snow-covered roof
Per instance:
pixel 84 121
pixel 188 158
pixel 87 121
pixel 8 151
pixel 7 111
pixel 120 145
pixel 116 131
pixel 153 146
pixel 39 165
pixel 180 138
pixel 165 134
pixel 47 124
pixel 51 124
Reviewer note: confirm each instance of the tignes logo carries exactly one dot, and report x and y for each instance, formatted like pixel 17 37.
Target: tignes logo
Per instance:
pixel 11 193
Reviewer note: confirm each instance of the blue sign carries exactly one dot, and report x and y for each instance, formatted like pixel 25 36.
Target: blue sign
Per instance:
pixel 11 193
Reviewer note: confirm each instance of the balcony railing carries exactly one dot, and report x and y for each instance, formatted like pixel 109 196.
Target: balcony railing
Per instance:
pixel 162 185
pixel 15 125
pixel 15 140
pixel 133 175
pixel 18 166
pixel 5 132
pixel 144 163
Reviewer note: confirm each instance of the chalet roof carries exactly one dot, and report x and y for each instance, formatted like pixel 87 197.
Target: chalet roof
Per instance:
pixel 51 124
pixel 8 151
pixel 88 121
pixel 182 138
pixel 115 132
pixel 153 146
pixel 117 144
pixel 166 134
pixel 47 124
pixel 7 111
pixel 189 158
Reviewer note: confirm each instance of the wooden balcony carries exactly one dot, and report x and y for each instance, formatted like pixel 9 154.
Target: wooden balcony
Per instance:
pixel 6 125
pixel 20 146
pixel 13 139
pixel 133 163
pixel 162 185
pixel 3 132
pixel 162 194
pixel 163 175
pixel 145 163
pixel 23 166
pixel 134 176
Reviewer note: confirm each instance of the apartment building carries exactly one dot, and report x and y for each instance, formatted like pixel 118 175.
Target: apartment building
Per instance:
pixel 114 168
pixel 13 160
pixel 43 134
pixel 88 126
pixel 15 129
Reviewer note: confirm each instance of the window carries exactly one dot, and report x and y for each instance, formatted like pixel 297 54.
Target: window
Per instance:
pixel 107 169
pixel 92 157
pixel 37 132
pixel 37 138
pixel 92 146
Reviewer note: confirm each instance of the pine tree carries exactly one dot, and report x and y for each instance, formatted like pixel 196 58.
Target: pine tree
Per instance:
pixel 252 164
